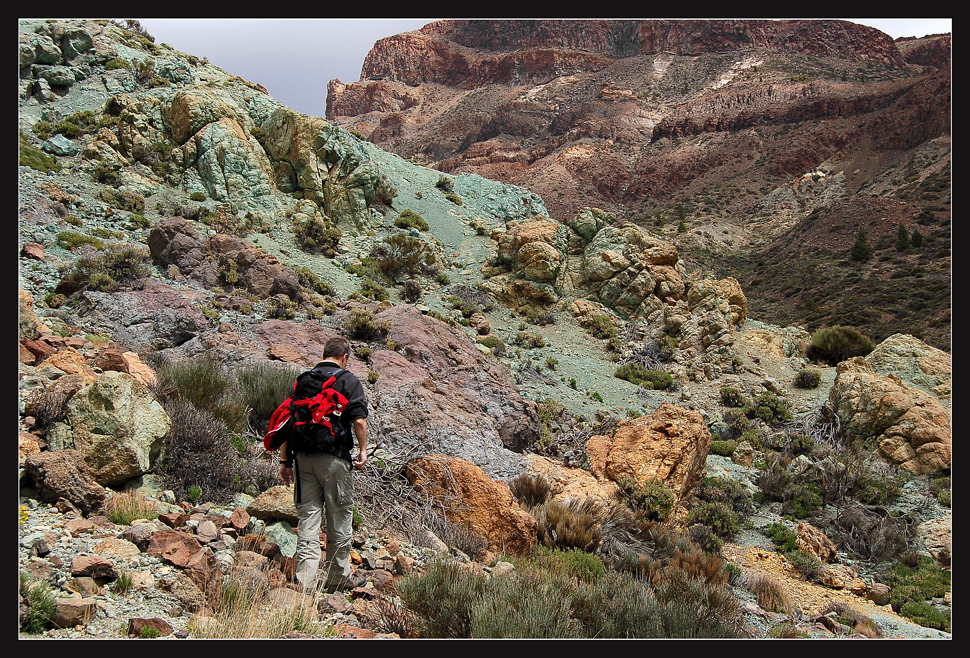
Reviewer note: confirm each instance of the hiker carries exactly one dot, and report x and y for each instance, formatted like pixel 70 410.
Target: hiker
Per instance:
pixel 319 463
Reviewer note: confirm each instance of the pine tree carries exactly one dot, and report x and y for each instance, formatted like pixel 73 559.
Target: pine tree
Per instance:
pixel 916 239
pixel 902 238
pixel 861 250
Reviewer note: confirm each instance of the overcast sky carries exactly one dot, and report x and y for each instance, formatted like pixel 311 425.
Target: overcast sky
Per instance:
pixel 296 58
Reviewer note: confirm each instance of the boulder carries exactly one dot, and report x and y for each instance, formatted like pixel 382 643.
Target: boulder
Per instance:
pixel 815 541
pixel 117 424
pixel 909 427
pixel 29 326
pixel 275 504
pixel 440 394
pixel 94 566
pixel 917 364
pixel 173 547
pixel 671 446
pixel 935 536
pixel 72 612
pixel 139 627
pixel 65 474
pixel 475 501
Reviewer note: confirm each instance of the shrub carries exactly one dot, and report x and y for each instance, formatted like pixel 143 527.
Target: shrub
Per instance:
pixel 803 499
pixel 800 444
pixel 704 537
pixel 529 341
pixel 33 157
pixel 775 480
pixel 808 378
pixel 771 408
pixel 73 239
pixel 411 291
pixel 363 325
pixel 641 376
pixel 316 236
pixel 727 491
pixel 769 592
pixel 732 397
pixel 197 196
pixel 925 614
pixel 495 344
pixel 459 537
pixel 126 506
pixel 570 524
pixel 401 255
pixel 261 388
pixel 309 279
pixel 601 326
pixel 41 604
pixel 114 267
pixel 445 183
pixel 411 219
pixel 861 250
pixel 690 607
pixel 374 289
pixel 530 489
pixel 806 563
pixel 868 535
pixel 917 583
pixel 835 344
pixel 203 383
pixel 130 201
pixel 723 448
pixel 532 604
pixel 654 498
pixel 442 598
pixel 784 538
pixel 940 489
pixel 717 516
pixel 571 562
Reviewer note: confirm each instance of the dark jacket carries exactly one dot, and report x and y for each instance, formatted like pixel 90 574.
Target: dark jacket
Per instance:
pixel 351 388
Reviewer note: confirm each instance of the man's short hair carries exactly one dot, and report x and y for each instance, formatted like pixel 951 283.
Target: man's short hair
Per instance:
pixel 337 347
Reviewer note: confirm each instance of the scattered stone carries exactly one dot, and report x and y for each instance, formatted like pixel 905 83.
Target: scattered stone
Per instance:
pixel 94 566
pixel 138 626
pixel 74 612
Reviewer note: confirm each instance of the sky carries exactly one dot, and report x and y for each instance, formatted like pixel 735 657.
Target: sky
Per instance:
pixel 296 58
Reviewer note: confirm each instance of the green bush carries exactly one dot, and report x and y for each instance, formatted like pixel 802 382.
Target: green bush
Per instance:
pixel 118 265
pixel 723 448
pixel 316 236
pixel 806 564
pixel 836 344
pixel 808 378
pixel 207 386
pixel 784 539
pixel 73 239
pixel 445 183
pixel 130 201
pixel 641 376
pixel 261 388
pixel 411 219
pixel 717 516
pixel 732 397
pixel 570 562
pixel 705 537
pixel 654 498
pixel 442 597
pixel 803 499
pixel 33 157
pixel 528 340
pixel 41 604
pixel 800 444
pixel 601 326
pixel 917 583
pixel 401 255
pixel 494 343
pixel 197 196
pixel 771 408
pixel 730 492
pixel 925 614
pixel 570 524
pixel 363 325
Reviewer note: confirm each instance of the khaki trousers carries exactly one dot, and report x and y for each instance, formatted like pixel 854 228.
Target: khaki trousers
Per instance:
pixel 324 482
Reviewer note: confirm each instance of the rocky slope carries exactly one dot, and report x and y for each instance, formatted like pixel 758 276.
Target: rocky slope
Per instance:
pixel 721 134
pixel 172 213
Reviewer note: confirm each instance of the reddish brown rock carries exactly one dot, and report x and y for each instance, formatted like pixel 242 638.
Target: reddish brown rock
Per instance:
pixel 475 501
pixel 64 474
pixel 138 627
pixel 173 547
pixel 173 519
pixel 94 566
pixel 74 612
pixel 239 519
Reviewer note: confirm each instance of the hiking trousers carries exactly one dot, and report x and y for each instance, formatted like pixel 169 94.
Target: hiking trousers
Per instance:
pixel 323 482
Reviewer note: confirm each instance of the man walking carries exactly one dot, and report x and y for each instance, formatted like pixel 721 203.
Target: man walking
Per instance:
pixel 319 462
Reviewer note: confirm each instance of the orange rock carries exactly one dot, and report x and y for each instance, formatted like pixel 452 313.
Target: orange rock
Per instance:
pixel 670 446
pixel 475 501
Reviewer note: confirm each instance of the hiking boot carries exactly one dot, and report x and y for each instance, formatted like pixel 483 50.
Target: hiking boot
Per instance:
pixel 355 580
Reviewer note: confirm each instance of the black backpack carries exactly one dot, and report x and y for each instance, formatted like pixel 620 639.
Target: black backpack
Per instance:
pixel 309 420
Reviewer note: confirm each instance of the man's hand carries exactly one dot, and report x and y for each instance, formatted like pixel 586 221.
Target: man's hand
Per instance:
pixel 361 460
pixel 286 474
